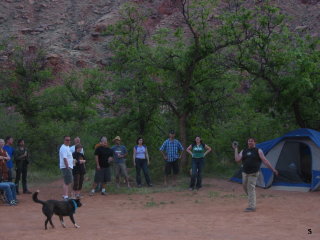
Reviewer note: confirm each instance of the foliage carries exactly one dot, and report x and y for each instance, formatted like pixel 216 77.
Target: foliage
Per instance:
pixel 226 73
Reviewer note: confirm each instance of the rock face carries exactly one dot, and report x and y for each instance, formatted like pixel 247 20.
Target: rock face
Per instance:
pixel 70 30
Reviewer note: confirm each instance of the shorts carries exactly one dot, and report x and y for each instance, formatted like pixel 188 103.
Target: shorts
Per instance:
pixel 171 165
pixel 103 175
pixel 121 170
pixel 67 175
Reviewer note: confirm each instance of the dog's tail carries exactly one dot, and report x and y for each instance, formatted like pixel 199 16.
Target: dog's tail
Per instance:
pixel 35 197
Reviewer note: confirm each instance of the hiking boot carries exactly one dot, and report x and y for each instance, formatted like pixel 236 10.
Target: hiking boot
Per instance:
pixel 249 209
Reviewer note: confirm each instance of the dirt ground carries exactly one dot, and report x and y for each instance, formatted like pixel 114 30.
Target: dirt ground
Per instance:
pixel 214 212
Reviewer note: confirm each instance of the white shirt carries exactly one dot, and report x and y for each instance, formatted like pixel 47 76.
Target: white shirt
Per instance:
pixel 65 152
pixel 141 152
pixel 73 149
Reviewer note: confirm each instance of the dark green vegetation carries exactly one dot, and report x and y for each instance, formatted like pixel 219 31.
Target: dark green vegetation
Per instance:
pixel 228 72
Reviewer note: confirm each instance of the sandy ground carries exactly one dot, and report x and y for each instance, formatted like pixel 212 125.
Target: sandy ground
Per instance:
pixel 214 212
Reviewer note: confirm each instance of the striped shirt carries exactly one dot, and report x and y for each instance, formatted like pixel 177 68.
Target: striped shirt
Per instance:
pixel 172 149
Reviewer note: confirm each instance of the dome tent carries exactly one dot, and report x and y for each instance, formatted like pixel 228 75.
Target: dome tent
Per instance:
pixel 296 155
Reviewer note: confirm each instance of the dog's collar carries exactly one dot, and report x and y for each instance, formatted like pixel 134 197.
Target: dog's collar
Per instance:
pixel 75 205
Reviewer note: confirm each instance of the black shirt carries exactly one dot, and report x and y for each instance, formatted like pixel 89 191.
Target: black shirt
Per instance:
pixel 251 160
pixel 78 168
pixel 103 154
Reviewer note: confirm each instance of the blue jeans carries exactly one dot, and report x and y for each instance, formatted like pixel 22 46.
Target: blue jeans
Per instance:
pixel 9 189
pixel 142 164
pixel 196 176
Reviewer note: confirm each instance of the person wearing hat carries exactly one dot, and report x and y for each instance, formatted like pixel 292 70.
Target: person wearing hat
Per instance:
pixel 171 150
pixel 119 154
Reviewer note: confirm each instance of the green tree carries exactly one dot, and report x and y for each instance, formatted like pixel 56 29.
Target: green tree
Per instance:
pixel 282 68
pixel 177 65
pixel 23 84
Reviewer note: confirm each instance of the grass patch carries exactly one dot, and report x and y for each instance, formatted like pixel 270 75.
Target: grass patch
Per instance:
pixel 229 196
pixel 151 204
pixel 36 177
pixel 213 194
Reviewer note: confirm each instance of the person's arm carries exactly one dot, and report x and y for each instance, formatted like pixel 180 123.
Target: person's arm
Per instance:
pixel 125 152
pixel 266 162
pixel 18 156
pixel 209 149
pixel 96 157
pixel 181 149
pixel 189 149
pixel 65 157
pixel 66 162
pixel 82 160
pixel 110 158
pixel 7 157
pixel 237 156
pixel 134 156
pixel 163 151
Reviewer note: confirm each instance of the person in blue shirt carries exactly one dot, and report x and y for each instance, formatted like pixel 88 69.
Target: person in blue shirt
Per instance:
pixel 10 150
pixel 171 150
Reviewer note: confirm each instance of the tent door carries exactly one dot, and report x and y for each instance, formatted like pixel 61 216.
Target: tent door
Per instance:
pixel 294 164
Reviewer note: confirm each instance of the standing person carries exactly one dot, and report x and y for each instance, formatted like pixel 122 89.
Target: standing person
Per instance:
pixel 10 150
pixel 21 158
pixel 76 141
pixel 103 157
pixel 4 157
pixel 119 154
pixel 79 170
pixel 251 158
pixel 198 150
pixel 66 166
pixel 170 151
pixel 141 161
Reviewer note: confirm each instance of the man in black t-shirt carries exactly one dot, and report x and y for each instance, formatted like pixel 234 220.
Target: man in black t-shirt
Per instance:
pixel 251 159
pixel 103 157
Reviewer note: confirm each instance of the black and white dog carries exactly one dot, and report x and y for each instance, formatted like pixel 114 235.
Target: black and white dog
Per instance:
pixel 60 208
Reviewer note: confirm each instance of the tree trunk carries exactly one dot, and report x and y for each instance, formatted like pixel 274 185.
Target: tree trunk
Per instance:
pixel 297 114
pixel 183 138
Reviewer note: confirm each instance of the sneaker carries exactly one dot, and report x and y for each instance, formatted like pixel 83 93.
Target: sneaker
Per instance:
pixel 104 193
pixel 150 185
pixel 91 193
pixel 249 209
pixel 17 201
pixel 12 203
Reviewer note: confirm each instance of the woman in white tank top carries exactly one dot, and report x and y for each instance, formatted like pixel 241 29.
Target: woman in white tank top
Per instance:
pixel 141 161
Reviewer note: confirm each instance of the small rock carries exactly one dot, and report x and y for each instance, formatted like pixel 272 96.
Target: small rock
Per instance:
pixel 82 47
pixel 26 30
pixel 301 28
pixel 95 34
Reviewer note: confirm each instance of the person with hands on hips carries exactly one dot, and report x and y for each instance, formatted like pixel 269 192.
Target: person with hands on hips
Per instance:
pixel 251 158
pixel 198 150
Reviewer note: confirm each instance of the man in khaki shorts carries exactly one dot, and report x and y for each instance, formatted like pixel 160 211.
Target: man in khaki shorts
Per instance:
pixel 119 154
pixel 66 166
pixel 251 158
